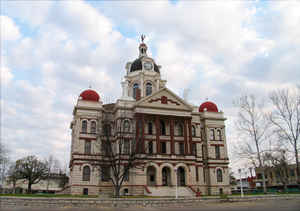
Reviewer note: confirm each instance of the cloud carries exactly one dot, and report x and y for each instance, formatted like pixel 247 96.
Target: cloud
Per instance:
pixel 217 49
pixel 9 29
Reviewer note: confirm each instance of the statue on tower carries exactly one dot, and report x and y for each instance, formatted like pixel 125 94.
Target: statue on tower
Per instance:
pixel 143 38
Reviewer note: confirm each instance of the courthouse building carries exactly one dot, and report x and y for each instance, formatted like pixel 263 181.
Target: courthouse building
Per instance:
pixel 184 144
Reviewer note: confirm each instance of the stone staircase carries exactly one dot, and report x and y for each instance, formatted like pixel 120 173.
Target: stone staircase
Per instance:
pixel 170 191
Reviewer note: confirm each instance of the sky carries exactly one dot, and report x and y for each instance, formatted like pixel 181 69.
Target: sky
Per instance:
pixel 53 50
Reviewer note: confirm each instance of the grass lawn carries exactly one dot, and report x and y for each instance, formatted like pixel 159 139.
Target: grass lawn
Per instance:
pixel 48 195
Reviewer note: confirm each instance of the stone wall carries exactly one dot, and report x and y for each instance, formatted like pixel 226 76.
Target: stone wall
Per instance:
pixel 7 202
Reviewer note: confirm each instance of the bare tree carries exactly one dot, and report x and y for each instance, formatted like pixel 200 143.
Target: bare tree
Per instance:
pixel 123 154
pixel 13 176
pixel 252 127
pixel 31 169
pixel 285 118
pixel 53 166
pixel 4 162
pixel 277 161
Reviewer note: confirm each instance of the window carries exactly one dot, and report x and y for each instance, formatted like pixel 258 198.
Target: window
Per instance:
pixel 86 174
pixel 179 129
pixel 93 127
pixel 197 174
pixel 84 126
pixel 219 134
pixel 204 175
pixel 212 134
pixel 181 148
pixel 162 128
pixel 87 147
pixel 163 147
pixel 219 175
pixel 105 176
pixel 148 89
pixel 150 128
pixel 217 149
pixel 126 126
pixel 135 89
pixel 194 149
pixel 150 147
pixel 193 131
pixel 126 146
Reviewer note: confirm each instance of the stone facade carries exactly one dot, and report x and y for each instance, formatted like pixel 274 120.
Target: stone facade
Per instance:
pixel 182 144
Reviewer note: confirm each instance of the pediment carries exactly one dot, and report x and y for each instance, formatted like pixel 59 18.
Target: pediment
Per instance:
pixel 164 99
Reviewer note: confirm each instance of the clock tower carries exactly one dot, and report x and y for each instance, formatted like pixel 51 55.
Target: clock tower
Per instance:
pixel 142 76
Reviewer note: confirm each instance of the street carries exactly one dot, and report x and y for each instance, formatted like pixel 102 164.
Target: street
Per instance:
pixel 260 205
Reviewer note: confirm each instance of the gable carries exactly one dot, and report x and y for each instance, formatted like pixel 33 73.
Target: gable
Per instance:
pixel 164 99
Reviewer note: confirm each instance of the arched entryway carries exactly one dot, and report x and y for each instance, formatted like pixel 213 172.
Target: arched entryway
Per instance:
pixel 166 176
pixel 151 176
pixel 181 176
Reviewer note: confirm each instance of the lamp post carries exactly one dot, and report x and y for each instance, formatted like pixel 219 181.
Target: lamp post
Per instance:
pixel 176 182
pixel 242 193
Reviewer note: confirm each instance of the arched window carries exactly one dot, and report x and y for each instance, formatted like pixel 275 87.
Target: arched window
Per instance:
pixel 93 127
pixel 179 129
pixel 150 128
pixel 135 88
pixel 162 128
pixel 193 131
pixel 86 173
pixel 84 126
pixel 219 134
pixel 126 126
pixel 148 89
pixel 219 175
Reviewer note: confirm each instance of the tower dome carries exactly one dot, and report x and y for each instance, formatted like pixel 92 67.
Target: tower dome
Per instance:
pixel 89 95
pixel 208 106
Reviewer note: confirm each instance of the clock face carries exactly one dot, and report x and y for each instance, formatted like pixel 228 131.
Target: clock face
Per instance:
pixel 148 66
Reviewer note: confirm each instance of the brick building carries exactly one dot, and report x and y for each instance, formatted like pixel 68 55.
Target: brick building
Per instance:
pixel 176 135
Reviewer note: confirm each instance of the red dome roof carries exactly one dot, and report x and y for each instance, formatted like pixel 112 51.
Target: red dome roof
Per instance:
pixel 208 106
pixel 89 95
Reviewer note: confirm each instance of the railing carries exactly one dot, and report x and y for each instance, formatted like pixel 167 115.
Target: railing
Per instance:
pixel 198 193
pixel 147 189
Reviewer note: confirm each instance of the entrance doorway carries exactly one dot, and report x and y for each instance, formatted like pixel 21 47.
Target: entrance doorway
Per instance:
pixel 166 176
pixel 181 176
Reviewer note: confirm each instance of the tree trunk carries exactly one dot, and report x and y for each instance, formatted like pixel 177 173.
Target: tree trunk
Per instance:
pixel 29 187
pixel 117 191
pixel 261 166
pixel 297 166
pixel 285 187
pixel 14 187
pixel 264 181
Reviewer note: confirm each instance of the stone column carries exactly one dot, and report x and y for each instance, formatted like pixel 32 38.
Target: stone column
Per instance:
pixel 186 151
pixel 157 130
pixel 143 133
pixel 190 135
pixel 172 136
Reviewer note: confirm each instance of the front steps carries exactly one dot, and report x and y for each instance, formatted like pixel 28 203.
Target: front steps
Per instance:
pixel 170 191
